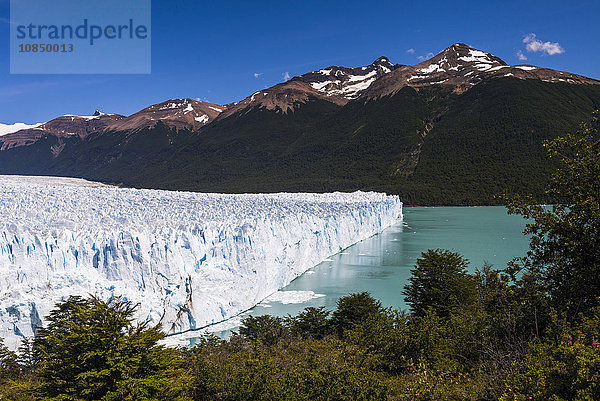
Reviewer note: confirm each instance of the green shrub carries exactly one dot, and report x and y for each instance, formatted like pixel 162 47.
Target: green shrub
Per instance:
pixel 439 281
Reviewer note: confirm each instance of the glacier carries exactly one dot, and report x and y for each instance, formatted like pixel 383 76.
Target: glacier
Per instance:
pixel 188 259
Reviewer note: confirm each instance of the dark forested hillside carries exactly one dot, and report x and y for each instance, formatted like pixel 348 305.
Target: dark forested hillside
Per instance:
pixel 430 145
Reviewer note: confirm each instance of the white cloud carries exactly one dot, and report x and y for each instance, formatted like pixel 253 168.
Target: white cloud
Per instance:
pixel 532 44
pixel 411 51
pixel 521 56
pixel 425 57
pixel 257 74
pixel 286 76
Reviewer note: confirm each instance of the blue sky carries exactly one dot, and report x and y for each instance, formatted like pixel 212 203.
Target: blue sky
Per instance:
pixel 223 51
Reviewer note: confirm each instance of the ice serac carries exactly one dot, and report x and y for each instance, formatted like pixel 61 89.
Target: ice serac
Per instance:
pixel 188 259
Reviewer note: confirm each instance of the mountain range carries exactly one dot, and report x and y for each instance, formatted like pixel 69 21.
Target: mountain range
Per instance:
pixel 457 129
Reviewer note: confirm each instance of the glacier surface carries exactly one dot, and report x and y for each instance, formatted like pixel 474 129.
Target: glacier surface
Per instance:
pixel 188 259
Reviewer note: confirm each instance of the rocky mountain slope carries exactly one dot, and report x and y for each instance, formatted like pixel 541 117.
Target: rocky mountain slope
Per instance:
pixel 177 113
pixel 461 67
pixel 334 84
pixel 61 127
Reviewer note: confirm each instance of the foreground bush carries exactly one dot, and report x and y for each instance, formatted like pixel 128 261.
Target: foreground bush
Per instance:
pixel 92 350
pixel 291 370
pixel 565 365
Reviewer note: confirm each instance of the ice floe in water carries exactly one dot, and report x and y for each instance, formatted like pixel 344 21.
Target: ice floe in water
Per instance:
pixel 291 297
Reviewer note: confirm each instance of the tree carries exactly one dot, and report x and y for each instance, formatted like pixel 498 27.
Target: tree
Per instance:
pixel 564 257
pixel 26 356
pixel 354 309
pixel 312 322
pixel 439 281
pixel 92 350
pixel 265 328
pixel 9 366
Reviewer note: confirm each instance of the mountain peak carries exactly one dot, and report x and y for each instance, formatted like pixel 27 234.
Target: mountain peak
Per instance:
pixel 346 83
pixel 460 54
pixel 177 113
pixel 335 84
pixel 382 61
pixel 460 67
pixel 460 46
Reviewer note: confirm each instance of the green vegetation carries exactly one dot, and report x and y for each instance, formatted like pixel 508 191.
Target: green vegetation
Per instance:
pixel 92 350
pixel 439 282
pixel 564 259
pixel 527 332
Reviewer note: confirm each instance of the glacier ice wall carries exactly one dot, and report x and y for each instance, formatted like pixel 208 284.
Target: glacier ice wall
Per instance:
pixel 188 259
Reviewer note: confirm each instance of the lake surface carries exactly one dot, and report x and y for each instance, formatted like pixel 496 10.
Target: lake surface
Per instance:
pixel 381 264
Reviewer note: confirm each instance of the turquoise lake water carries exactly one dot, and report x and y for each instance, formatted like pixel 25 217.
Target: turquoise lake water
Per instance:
pixel 381 264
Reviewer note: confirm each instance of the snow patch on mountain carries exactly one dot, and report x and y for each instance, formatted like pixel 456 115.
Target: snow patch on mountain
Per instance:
pixel 477 56
pixel 431 68
pixel 202 119
pixel 188 259
pixel 346 83
pixel 10 128
pixel 525 67
pixel 94 116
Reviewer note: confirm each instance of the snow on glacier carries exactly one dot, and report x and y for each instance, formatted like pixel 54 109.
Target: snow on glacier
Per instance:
pixel 188 259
